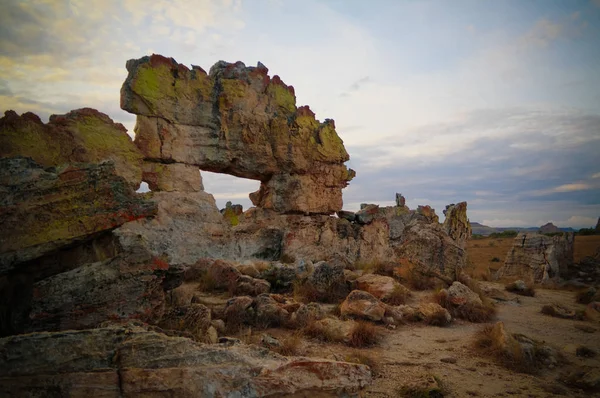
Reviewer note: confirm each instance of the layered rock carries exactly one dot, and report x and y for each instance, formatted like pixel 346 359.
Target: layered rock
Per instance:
pixel 42 210
pixel 538 258
pixel 237 120
pixel 80 136
pixel 129 361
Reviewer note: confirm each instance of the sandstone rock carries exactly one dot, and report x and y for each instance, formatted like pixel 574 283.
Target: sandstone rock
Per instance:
pixel 366 214
pixel 538 257
pixel 131 361
pixel 433 314
pixel 239 121
pixel 457 224
pixel 172 177
pixel 118 289
pixel 382 287
pixel 347 215
pixel 432 252
pixel 400 200
pixel 459 294
pixel 42 210
pixel 80 136
pixel 269 312
pixel 428 213
pixel 363 305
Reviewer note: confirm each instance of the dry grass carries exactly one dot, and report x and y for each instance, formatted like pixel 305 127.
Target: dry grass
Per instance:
pixel 472 312
pixel 318 331
pixel 304 292
pixel 364 359
pixel 511 355
pixel 375 267
pixel 364 334
pixel 482 251
pixel 291 345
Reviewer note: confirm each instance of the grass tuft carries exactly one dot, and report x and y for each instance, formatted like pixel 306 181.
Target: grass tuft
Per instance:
pixel 364 334
pixel 290 345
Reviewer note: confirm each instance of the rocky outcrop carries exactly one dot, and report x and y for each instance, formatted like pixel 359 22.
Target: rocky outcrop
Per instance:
pixel 457 224
pixel 42 210
pixel 539 258
pixel 240 121
pixel 80 136
pixel 130 361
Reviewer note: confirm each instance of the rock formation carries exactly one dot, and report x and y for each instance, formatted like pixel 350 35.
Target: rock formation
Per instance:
pixel 80 250
pixel 538 258
pixel 237 120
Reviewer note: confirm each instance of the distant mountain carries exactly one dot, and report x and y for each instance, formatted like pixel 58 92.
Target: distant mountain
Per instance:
pixel 480 229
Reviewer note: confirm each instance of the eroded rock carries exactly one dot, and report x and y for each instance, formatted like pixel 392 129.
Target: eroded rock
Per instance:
pixel 362 305
pixel 538 257
pixel 130 361
pixel 240 121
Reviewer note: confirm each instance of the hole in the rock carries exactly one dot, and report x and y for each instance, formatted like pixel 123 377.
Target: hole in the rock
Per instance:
pixel 143 187
pixel 227 188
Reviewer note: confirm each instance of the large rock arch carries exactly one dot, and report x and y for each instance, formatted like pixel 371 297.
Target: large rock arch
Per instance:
pixel 237 120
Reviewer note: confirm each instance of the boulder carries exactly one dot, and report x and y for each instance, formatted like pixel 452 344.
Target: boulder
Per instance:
pixel 43 210
pixel 238 120
pixel 328 280
pixel 307 313
pixel 80 136
pixel 459 294
pixel 382 287
pixel 433 314
pixel 362 305
pixel 175 177
pixel 269 312
pixel 538 257
pixel 366 214
pixel 132 361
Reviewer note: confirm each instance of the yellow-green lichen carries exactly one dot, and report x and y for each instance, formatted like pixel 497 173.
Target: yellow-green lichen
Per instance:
pixel 282 96
pixel 31 142
pixel 231 217
pixel 307 122
pixel 331 147
pixel 154 83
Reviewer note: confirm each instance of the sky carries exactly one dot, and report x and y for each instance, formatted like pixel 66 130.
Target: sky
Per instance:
pixel 492 102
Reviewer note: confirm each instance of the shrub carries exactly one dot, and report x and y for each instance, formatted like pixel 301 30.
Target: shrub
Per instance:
pixel 364 359
pixel 290 345
pixel 509 353
pixel 364 334
pixel 495 260
pixel 504 234
pixel 585 352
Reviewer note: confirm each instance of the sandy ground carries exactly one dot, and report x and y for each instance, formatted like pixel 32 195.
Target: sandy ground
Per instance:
pixel 414 352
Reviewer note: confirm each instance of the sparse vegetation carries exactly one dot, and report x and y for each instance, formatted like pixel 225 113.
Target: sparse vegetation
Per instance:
pixel 364 359
pixel 472 312
pixel 504 234
pixel 495 260
pixel 585 352
pixel 586 296
pixel 364 334
pixel 505 349
pixel 290 345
